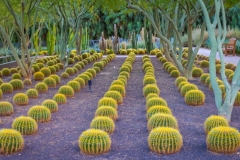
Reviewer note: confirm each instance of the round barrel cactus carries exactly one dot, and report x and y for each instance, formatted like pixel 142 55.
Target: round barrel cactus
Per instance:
pixel 115 95
pixel 51 105
pixel 65 75
pixel 155 102
pixel 187 88
pixel 17 84
pixel 50 82
pixel 20 99
pixel 70 71
pixel 75 85
pixel 6 88
pixel 6 108
pixel 56 78
pixel 152 95
pixel 158 109
pixel 25 125
pixel 103 123
pixel 179 80
pixel 107 111
pixel 197 72
pixel 66 90
pixel 46 71
pixel 151 88
pixel 40 113
pixel 118 82
pixel 118 88
pixel 38 76
pixel 165 140
pixel 32 93
pixel 6 72
pixel 194 98
pixel 214 121
pixel 17 76
pixel 60 98
pixel 94 141
pixel 41 87
pixel 149 80
pixel 174 73
pixel 107 101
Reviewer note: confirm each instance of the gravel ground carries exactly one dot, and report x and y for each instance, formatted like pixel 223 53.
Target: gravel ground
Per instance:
pixel 58 139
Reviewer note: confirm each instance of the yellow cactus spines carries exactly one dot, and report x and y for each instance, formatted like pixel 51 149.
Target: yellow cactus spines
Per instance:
pixel 10 141
pixel 40 113
pixel 65 75
pixel 32 93
pixel 174 73
pixel 97 69
pixel 17 84
pixel 66 90
pixel 182 84
pixel 155 101
pixel 187 88
pixel 46 71
pixel 99 65
pixel 149 80
pixel 204 64
pixel 203 77
pixel 85 77
pixel 158 109
pixel 40 65
pixel 223 140
pixel 179 80
pixel 162 120
pixel 150 88
pixel 94 141
pixel 214 121
pixel 38 76
pixel 80 81
pixel 89 74
pixel 13 70
pixel 70 71
pixel 27 82
pixel 75 85
pixel 115 95
pixel 197 72
pixel 25 125
pixel 92 71
pixel 119 89
pixel 152 95
pixel 50 82
pixel 6 108
pixel 52 69
pixel 51 105
pixel 165 140
pixel 123 68
pixel 79 67
pixel 194 98
pixel 170 69
pixel 20 99
pixel 56 78
pixel 6 88
pixel 118 82
pixel 41 87
pixel 107 111
pixel 60 98
pixel 17 76
pixel 107 101
pixel 6 72
pixel 60 65
pixel 103 123
pixel 124 73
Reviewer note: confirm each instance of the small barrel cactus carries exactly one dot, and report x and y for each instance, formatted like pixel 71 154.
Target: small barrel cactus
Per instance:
pixel 214 121
pixel 25 125
pixel 89 74
pixel 52 69
pixel 75 85
pixel 203 77
pixel 94 141
pixel 51 105
pixel 107 111
pixel 182 84
pixel 32 93
pixel 187 88
pixel 194 98
pixel 165 140
pixel 78 66
pixel 150 88
pixel 6 88
pixel 70 71
pixel 38 76
pixel 6 72
pixel 122 79
pixel 174 73
pixel 80 81
pixel 46 71
pixel 126 74
pixel 65 75
pixel 149 80
pixel 66 90
pixel 85 77
pixel 40 113
pixel 99 65
pixel 60 98
pixel 115 95
pixel 103 123
pixel 158 109
pixel 118 88
pixel 152 95
pixel 126 69
pixel 27 82
pixel 92 71
pixel 17 84
pixel 97 69
pixel 41 87
pixel 107 101
pixel 204 64
pixel 20 99
pixel 155 102
pixel 118 82
pixel 197 72
pixel 50 82
pixel 13 70
pixel 170 69
pixel 162 120
pixel 179 80
pixel 17 76
pixel 10 141
pixel 56 78
pixel 6 108
pixel 223 140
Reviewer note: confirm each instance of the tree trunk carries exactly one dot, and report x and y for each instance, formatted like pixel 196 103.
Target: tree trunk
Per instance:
pixel 226 111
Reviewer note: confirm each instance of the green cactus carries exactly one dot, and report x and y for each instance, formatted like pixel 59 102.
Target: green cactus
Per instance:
pixel 46 71
pixel 149 80
pixel 170 69
pixel 194 98
pixel 32 93
pixel 60 65
pixel 187 88
pixel 70 71
pixel 228 72
pixel 50 63
pixel 203 77
pixel 17 76
pixel 115 95
pixel 204 64
pixel 162 120
pixel 51 105
pixel 155 102
pixel 81 64
pixel 79 67
pixel 197 72
pixel 56 78
pixel 65 75
pixel 152 95
pixel 85 77
pixel 17 84
pixel 89 75
pixel 229 65
pixel 6 72
pixel 40 65
pixel 80 81
pixel 118 88
pixel 92 71
pixel 103 123
pixel 66 90
pixel 38 76
pixel 99 65
pixel 165 140
pixel 97 69
pixel 237 100
pixel 94 141
pixel 174 73
pixel 223 140
pixel 75 85
pixel 150 88
pixel 182 84
pixel 124 69
pixel 124 73
pixel 105 101
pixel 40 113
pixel 20 99
pixel 158 109
pixel 10 141
pixel 179 80
pixel 25 125
pixel 122 79
pixel 50 82
pixel 6 108
pixel 214 121
pixel 27 82
pixel 41 87
pixel 13 70
pixel 60 98
pixel 56 68
pixel 52 69
pixel 6 88
pixel 118 82
pixel 107 111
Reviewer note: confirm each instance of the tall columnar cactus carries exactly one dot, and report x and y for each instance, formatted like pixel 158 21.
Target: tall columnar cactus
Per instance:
pixel 148 37
pixel 165 140
pixel 25 125
pixel 94 141
pixel 134 40
pixel 10 141
pixel 51 39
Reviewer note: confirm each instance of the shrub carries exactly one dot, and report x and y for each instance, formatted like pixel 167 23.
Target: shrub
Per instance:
pixel 175 73
pixel 6 87
pixel 152 95
pixel 25 125
pixel 50 82
pixel 162 120
pixel 66 90
pixel 194 98
pixel 70 71
pixel 17 76
pixel 6 109
pixel 60 98
pixel 38 76
pixel 75 85
pixel 93 141
pixel 17 84
pixel 118 88
pixel 155 102
pixel 197 72
pixel 6 72
pixel 13 70
pixel 52 69
pixel 165 140
pixel 65 75
pixel 80 81
pixel 51 105
pixel 150 88
pixel 115 95
pixel 149 80
pixel 179 80
pixel 203 77
pixel 85 77
pixel 46 72
pixel 20 99
pixel 11 141
pixel 204 64
pixel 105 101
pixel 32 93
pixel 223 140
pixel 214 121
pixel 107 111
pixel 27 82
pixel 103 123
pixel 40 113
pixel 56 78
pixel 187 88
